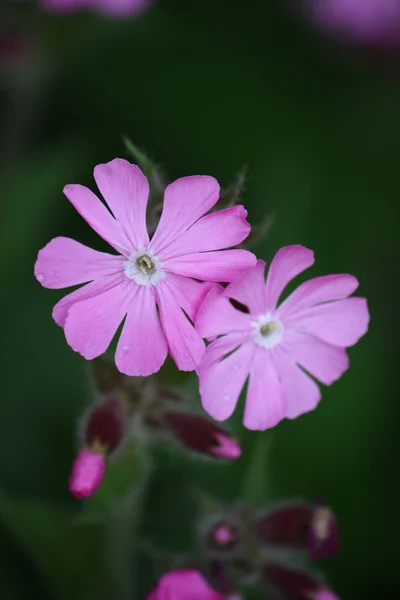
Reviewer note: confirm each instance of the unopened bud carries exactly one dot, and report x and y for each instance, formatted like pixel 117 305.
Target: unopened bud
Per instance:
pixel 201 435
pixel 286 525
pixel 293 584
pixel 105 424
pixel 87 473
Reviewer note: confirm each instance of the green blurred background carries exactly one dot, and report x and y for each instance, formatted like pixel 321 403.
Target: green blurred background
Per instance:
pixel 205 88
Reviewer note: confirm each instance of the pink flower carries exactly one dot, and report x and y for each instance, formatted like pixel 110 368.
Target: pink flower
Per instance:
pixel 151 282
pixel 373 22
pixel 273 344
pixel 110 8
pixel 184 585
pixel 87 473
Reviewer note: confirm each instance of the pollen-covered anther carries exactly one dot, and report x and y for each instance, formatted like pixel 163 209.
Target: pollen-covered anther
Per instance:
pixel 268 329
pixel 144 268
pixel 145 265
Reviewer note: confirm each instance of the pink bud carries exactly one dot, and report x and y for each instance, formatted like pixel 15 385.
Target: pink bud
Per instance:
pixel 200 434
pixel 228 447
pixel 87 473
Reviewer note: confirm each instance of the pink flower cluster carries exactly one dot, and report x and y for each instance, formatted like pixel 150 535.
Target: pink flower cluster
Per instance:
pixel 158 287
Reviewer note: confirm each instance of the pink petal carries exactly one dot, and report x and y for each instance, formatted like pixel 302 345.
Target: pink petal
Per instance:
pixel 217 316
pixel 222 381
pixel 91 324
pixel 142 347
pixel 340 323
pixel 301 392
pixel 225 265
pixel 184 585
pixel 185 345
pixel 60 311
pixel 249 289
pixel 220 348
pixel 323 361
pixel 317 290
pixel 126 191
pixel 188 293
pixel 216 231
pixel 65 262
pixel 286 264
pixel 265 401
pixel 185 201
pixel 87 473
pixel 99 218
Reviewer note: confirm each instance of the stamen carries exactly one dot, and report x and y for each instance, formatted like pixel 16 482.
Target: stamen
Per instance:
pixel 268 329
pixel 145 265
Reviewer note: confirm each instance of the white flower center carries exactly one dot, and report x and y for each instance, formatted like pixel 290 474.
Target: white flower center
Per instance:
pixel 144 268
pixel 267 331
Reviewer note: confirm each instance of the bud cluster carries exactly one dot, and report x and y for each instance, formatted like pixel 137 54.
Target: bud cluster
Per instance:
pixel 142 410
pixel 242 547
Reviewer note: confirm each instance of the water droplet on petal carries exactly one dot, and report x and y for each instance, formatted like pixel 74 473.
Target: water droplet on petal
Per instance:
pixel 226 397
pixel 40 277
pixel 235 367
pixel 127 349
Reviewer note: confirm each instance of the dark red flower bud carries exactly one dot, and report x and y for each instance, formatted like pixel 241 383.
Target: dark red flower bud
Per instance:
pixel 300 526
pixel 296 585
pixel 105 424
pixel 201 435
pixel 286 525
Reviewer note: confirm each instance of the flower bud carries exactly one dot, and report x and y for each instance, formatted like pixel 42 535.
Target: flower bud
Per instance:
pixel 87 473
pixel 103 431
pixel 201 435
pixel 295 585
pixel 286 525
pixel 300 526
pixel 105 424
